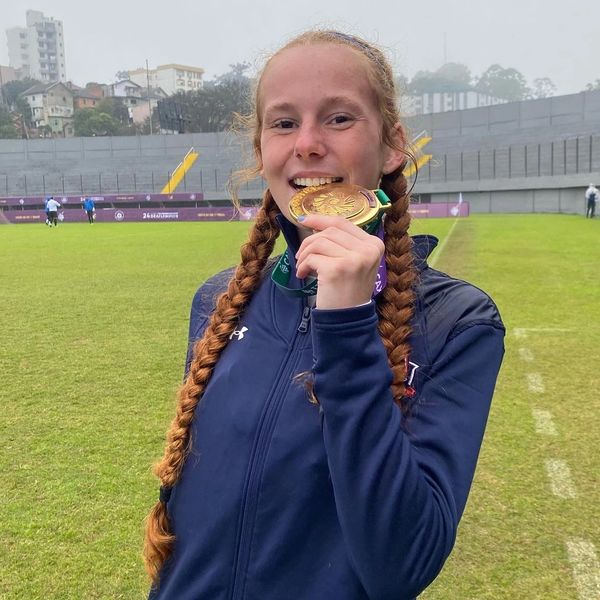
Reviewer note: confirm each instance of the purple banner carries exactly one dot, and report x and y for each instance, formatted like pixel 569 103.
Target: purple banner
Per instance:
pixel 123 215
pixel 107 198
pixel 439 209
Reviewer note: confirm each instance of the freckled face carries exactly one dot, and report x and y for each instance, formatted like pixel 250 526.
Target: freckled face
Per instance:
pixel 320 122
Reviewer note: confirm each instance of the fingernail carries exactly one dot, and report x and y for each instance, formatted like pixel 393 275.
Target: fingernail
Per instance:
pixel 301 218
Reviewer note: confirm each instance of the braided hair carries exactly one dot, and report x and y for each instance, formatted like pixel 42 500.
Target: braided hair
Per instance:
pixel 230 304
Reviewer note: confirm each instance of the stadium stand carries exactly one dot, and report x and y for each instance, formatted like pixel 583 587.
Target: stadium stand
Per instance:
pixel 531 155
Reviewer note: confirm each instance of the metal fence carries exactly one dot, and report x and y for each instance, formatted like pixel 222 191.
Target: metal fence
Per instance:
pixel 564 157
pixel 569 156
pixel 115 182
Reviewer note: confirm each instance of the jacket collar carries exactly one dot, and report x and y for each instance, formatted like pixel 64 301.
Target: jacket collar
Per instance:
pixel 423 246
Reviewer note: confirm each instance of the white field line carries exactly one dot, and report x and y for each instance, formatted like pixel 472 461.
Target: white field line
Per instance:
pixel 439 249
pixel 526 354
pixel 561 482
pixel 535 383
pixel 544 424
pixel 586 568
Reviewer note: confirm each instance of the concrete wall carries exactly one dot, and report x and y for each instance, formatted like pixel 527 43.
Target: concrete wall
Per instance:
pixel 568 201
pixel 571 110
pixel 545 194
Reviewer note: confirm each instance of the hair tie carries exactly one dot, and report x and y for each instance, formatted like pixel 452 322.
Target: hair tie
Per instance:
pixel 164 494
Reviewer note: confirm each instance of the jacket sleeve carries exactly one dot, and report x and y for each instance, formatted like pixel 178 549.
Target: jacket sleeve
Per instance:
pixel 203 305
pixel 400 486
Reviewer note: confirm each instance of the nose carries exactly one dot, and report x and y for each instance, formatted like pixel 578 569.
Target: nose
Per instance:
pixel 310 142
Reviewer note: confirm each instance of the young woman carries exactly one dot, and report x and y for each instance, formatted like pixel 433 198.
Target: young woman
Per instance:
pixel 354 489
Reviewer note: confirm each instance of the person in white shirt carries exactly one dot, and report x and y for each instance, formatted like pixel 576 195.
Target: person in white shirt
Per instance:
pixel 53 207
pixel 591 195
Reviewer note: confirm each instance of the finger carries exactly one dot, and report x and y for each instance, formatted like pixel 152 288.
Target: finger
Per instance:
pixel 346 263
pixel 342 237
pixel 318 264
pixel 321 222
pixel 334 242
pixel 322 246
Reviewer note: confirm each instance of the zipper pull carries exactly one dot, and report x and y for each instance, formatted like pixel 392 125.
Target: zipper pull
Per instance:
pixel 303 327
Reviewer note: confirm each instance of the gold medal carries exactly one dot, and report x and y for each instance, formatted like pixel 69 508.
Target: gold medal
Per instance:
pixel 353 202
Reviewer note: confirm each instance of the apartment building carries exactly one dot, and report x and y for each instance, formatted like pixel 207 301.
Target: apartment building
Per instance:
pixel 38 49
pixel 171 78
pixel 445 101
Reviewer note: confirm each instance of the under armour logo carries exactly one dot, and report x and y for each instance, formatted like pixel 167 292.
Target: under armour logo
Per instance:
pixel 238 333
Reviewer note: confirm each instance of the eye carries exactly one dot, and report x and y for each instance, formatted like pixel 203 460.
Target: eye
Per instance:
pixel 283 124
pixel 340 119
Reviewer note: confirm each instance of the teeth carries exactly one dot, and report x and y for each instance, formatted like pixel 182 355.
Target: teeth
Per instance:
pixel 308 181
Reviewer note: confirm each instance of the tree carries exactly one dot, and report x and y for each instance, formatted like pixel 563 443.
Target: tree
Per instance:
pixel 13 89
pixel 121 75
pixel 457 73
pixel 508 84
pixel 7 128
pixel 450 77
pixel 543 88
pixel 24 110
pixel 212 108
pixel 90 122
pixel 144 128
pixel 8 132
pixel 593 86
pixel 116 108
pixel 237 72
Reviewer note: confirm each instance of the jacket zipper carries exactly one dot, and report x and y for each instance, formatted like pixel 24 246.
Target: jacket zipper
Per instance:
pixel 257 458
pixel 303 327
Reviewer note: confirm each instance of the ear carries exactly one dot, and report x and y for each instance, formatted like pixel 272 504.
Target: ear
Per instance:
pixel 395 155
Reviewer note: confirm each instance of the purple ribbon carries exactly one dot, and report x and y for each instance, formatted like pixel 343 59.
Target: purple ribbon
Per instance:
pixel 381 279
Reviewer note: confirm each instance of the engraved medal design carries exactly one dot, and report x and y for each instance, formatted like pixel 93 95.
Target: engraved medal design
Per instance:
pixel 353 202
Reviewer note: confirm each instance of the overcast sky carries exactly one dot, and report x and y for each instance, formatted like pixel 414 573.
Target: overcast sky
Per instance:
pixel 540 38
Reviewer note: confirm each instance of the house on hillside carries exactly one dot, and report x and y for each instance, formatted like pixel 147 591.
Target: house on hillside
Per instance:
pixel 138 100
pixel 51 108
pixel 82 98
pixel 95 89
pixel 148 105
pixel 129 92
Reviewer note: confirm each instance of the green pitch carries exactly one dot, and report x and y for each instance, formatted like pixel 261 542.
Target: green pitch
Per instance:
pixel 93 339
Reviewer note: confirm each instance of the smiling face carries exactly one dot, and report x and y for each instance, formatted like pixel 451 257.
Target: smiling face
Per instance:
pixel 320 122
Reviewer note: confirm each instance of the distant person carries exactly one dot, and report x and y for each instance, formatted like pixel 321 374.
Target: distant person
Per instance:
pixel 90 208
pixel 46 209
pixel 591 195
pixel 52 207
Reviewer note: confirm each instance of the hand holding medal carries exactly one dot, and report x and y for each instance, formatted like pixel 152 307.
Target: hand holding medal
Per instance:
pixel 342 252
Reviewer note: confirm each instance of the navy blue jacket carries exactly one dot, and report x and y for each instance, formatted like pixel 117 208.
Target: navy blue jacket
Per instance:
pixel 283 499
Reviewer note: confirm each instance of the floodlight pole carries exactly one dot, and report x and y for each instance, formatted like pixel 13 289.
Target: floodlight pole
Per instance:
pixel 1 88
pixel 148 95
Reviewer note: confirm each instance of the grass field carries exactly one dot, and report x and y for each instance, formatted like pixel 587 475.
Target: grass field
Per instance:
pixel 93 337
